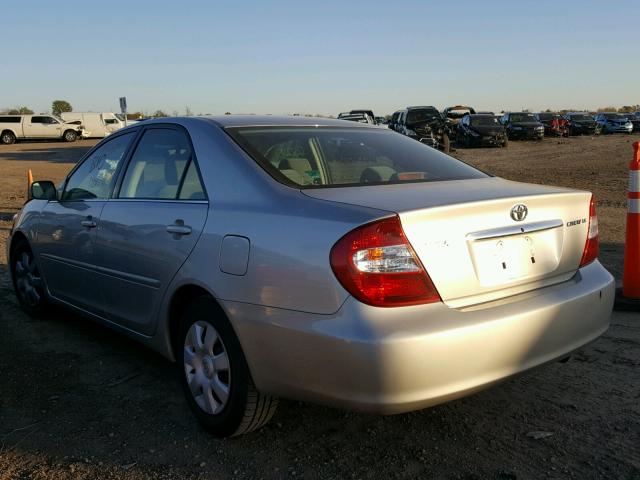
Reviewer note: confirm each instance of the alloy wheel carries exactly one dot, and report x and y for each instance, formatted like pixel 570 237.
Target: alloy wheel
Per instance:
pixel 28 280
pixel 206 367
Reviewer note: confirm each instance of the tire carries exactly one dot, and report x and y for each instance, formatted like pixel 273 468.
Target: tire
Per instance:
pixel 210 366
pixel 27 281
pixel 70 136
pixel 7 137
pixel 446 144
pixel 505 143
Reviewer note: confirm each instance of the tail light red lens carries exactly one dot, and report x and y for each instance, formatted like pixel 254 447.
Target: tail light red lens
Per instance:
pixel 376 264
pixel 591 246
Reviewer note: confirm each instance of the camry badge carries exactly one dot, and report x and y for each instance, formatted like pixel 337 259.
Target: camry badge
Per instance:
pixel 519 212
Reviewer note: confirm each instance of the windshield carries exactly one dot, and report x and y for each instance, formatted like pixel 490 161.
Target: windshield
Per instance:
pixel 316 157
pixel 615 116
pixel 484 120
pixel 580 117
pixel 547 116
pixel 522 117
pixel 422 115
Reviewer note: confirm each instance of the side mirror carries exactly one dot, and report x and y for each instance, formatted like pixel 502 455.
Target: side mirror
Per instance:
pixel 42 190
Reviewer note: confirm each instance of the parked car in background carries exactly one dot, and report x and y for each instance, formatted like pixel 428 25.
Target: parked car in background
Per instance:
pixel 363 111
pixel 393 123
pixel 381 121
pixel 454 114
pixel 347 265
pixel 581 123
pixel 357 117
pixel 634 118
pixel 426 125
pixel 612 122
pixel 21 127
pixel 97 124
pixel 522 125
pixel 481 130
pixel 554 124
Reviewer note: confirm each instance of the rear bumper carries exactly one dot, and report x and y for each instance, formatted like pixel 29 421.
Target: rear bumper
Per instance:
pixel 401 359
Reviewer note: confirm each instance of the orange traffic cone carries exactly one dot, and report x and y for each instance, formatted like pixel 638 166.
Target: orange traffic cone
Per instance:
pixel 29 182
pixel 628 297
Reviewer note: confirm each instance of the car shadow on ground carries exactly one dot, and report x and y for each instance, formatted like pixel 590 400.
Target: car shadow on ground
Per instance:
pixel 79 397
pixel 67 154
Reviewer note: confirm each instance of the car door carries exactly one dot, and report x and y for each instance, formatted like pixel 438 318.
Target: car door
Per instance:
pixel 150 226
pixel 35 126
pixel 67 227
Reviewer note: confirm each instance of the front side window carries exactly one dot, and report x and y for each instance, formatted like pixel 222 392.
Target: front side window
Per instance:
pixel 316 157
pixel 157 166
pixel 94 178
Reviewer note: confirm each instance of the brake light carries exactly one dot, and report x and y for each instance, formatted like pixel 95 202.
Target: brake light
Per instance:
pixel 590 252
pixel 376 264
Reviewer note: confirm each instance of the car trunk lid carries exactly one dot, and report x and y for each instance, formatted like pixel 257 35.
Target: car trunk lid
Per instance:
pixel 471 245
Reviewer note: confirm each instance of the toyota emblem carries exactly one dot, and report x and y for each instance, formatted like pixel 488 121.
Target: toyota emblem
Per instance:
pixel 519 212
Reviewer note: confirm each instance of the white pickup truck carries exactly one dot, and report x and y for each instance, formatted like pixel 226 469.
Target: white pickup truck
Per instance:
pixel 19 127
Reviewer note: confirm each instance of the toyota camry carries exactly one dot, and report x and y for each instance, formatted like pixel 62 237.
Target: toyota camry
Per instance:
pixel 312 259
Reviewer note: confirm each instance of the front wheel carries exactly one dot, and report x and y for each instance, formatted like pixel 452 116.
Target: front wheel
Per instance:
pixel 70 136
pixel 8 137
pixel 215 376
pixel 27 281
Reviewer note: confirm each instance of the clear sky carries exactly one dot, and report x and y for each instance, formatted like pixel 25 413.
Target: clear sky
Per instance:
pixel 321 57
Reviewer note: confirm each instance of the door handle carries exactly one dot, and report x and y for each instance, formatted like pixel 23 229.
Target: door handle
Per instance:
pixel 178 229
pixel 88 223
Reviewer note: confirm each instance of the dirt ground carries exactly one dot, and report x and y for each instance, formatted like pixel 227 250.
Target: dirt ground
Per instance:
pixel 78 401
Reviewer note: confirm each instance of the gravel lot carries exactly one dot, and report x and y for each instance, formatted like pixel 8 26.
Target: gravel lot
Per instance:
pixel 78 401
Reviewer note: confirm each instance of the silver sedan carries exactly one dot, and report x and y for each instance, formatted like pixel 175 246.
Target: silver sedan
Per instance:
pixel 312 259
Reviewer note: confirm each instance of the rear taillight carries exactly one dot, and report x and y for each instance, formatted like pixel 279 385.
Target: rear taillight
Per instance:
pixel 376 264
pixel 590 252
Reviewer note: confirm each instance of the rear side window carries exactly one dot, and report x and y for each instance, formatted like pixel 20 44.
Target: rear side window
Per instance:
pixel 317 157
pixel 39 120
pixel 157 166
pixel 9 119
pixel 191 186
pixel 94 178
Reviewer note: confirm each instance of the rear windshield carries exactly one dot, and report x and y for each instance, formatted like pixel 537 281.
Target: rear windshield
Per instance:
pixel 319 157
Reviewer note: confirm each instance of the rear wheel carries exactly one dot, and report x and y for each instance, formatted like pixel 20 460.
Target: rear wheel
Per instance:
pixel 27 281
pixel 7 137
pixel 215 376
pixel 70 136
pixel 505 142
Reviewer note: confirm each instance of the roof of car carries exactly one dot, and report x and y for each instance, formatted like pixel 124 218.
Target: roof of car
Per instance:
pixel 277 120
